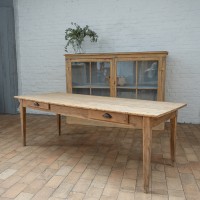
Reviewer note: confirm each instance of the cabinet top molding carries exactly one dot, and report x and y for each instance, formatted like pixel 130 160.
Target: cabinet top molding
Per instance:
pixel 118 54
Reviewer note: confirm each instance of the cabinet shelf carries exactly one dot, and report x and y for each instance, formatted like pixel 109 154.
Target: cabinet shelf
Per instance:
pixel 118 87
pixel 92 86
pixel 147 88
pixel 139 87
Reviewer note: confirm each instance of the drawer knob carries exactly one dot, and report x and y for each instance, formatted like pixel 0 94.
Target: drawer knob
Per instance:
pixel 36 104
pixel 107 116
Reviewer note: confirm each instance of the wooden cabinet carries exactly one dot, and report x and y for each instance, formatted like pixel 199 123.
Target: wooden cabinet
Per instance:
pixel 137 75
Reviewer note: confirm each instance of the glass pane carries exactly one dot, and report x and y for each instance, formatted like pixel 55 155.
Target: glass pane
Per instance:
pixel 81 91
pixel 80 73
pixel 101 92
pixel 148 74
pixel 147 94
pixel 126 71
pixel 126 93
pixel 100 73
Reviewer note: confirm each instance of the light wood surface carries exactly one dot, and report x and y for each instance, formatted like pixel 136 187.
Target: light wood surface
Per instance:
pixel 173 122
pixel 23 122
pixel 135 113
pixel 112 104
pixel 35 104
pixel 118 54
pixel 108 116
pixel 147 140
pixel 59 123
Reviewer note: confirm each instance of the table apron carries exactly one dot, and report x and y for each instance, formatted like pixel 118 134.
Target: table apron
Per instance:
pixel 130 120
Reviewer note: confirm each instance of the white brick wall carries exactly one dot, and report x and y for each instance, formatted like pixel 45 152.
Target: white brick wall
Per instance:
pixel 128 25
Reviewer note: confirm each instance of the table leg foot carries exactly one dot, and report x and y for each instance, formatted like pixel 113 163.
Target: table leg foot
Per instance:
pixel 146 190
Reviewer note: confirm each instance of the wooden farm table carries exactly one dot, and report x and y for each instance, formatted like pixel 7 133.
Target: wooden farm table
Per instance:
pixel 134 113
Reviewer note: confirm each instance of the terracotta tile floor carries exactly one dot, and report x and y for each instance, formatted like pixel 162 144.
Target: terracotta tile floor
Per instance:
pixel 93 162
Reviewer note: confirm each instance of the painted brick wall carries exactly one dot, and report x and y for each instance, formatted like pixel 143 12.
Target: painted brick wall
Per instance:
pixel 128 25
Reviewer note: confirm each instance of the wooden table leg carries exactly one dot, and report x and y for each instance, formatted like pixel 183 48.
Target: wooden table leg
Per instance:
pixel 23 122
pixel 173 123
pixel 147 138
pixel 59 123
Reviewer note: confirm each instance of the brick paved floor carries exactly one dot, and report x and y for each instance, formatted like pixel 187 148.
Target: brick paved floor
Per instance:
pixel 93 162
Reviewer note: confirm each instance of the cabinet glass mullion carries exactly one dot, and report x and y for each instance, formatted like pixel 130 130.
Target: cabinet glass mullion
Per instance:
pixel 136 80
pixel 90 78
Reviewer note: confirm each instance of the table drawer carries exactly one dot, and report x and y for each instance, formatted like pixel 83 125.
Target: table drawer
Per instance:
pixel 70 111
pixel 36 104
pixel 108 116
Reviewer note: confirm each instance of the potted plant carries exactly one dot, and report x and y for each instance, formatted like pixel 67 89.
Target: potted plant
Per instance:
pixel 75 37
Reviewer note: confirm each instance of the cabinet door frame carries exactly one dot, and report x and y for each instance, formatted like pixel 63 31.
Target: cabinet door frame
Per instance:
pixel 89 60
pixel 69 76
pixel 161 73
pixel 161 78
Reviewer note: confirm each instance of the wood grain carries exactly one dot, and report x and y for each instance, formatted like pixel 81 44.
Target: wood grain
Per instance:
pixel 147 139
pixel 136 121
pixel 173 123
pixel 158 120
pixel 59 123
pixel 108 104
pixel 117 54
pixel 69 111
pixel 115 117
pixel 36 104
pixel 23 122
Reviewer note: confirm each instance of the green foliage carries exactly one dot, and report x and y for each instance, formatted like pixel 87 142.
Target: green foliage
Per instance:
pixel 75 36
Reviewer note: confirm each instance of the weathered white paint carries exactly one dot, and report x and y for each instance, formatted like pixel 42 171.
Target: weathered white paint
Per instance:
pixel 122 26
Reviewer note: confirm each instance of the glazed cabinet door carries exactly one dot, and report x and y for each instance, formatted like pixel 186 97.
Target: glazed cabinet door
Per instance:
pixel 89 77
pixel 147 80
pixel 137 79
pixel 126 79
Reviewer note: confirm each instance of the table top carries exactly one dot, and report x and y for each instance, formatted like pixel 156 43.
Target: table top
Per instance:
pixel 109 104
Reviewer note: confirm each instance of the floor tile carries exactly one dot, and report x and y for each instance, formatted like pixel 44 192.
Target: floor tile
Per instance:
pixel 91 163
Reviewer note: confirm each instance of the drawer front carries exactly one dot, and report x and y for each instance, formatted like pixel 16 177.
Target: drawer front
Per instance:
pixel 36 104
pixel 69 111
pixel 108 116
